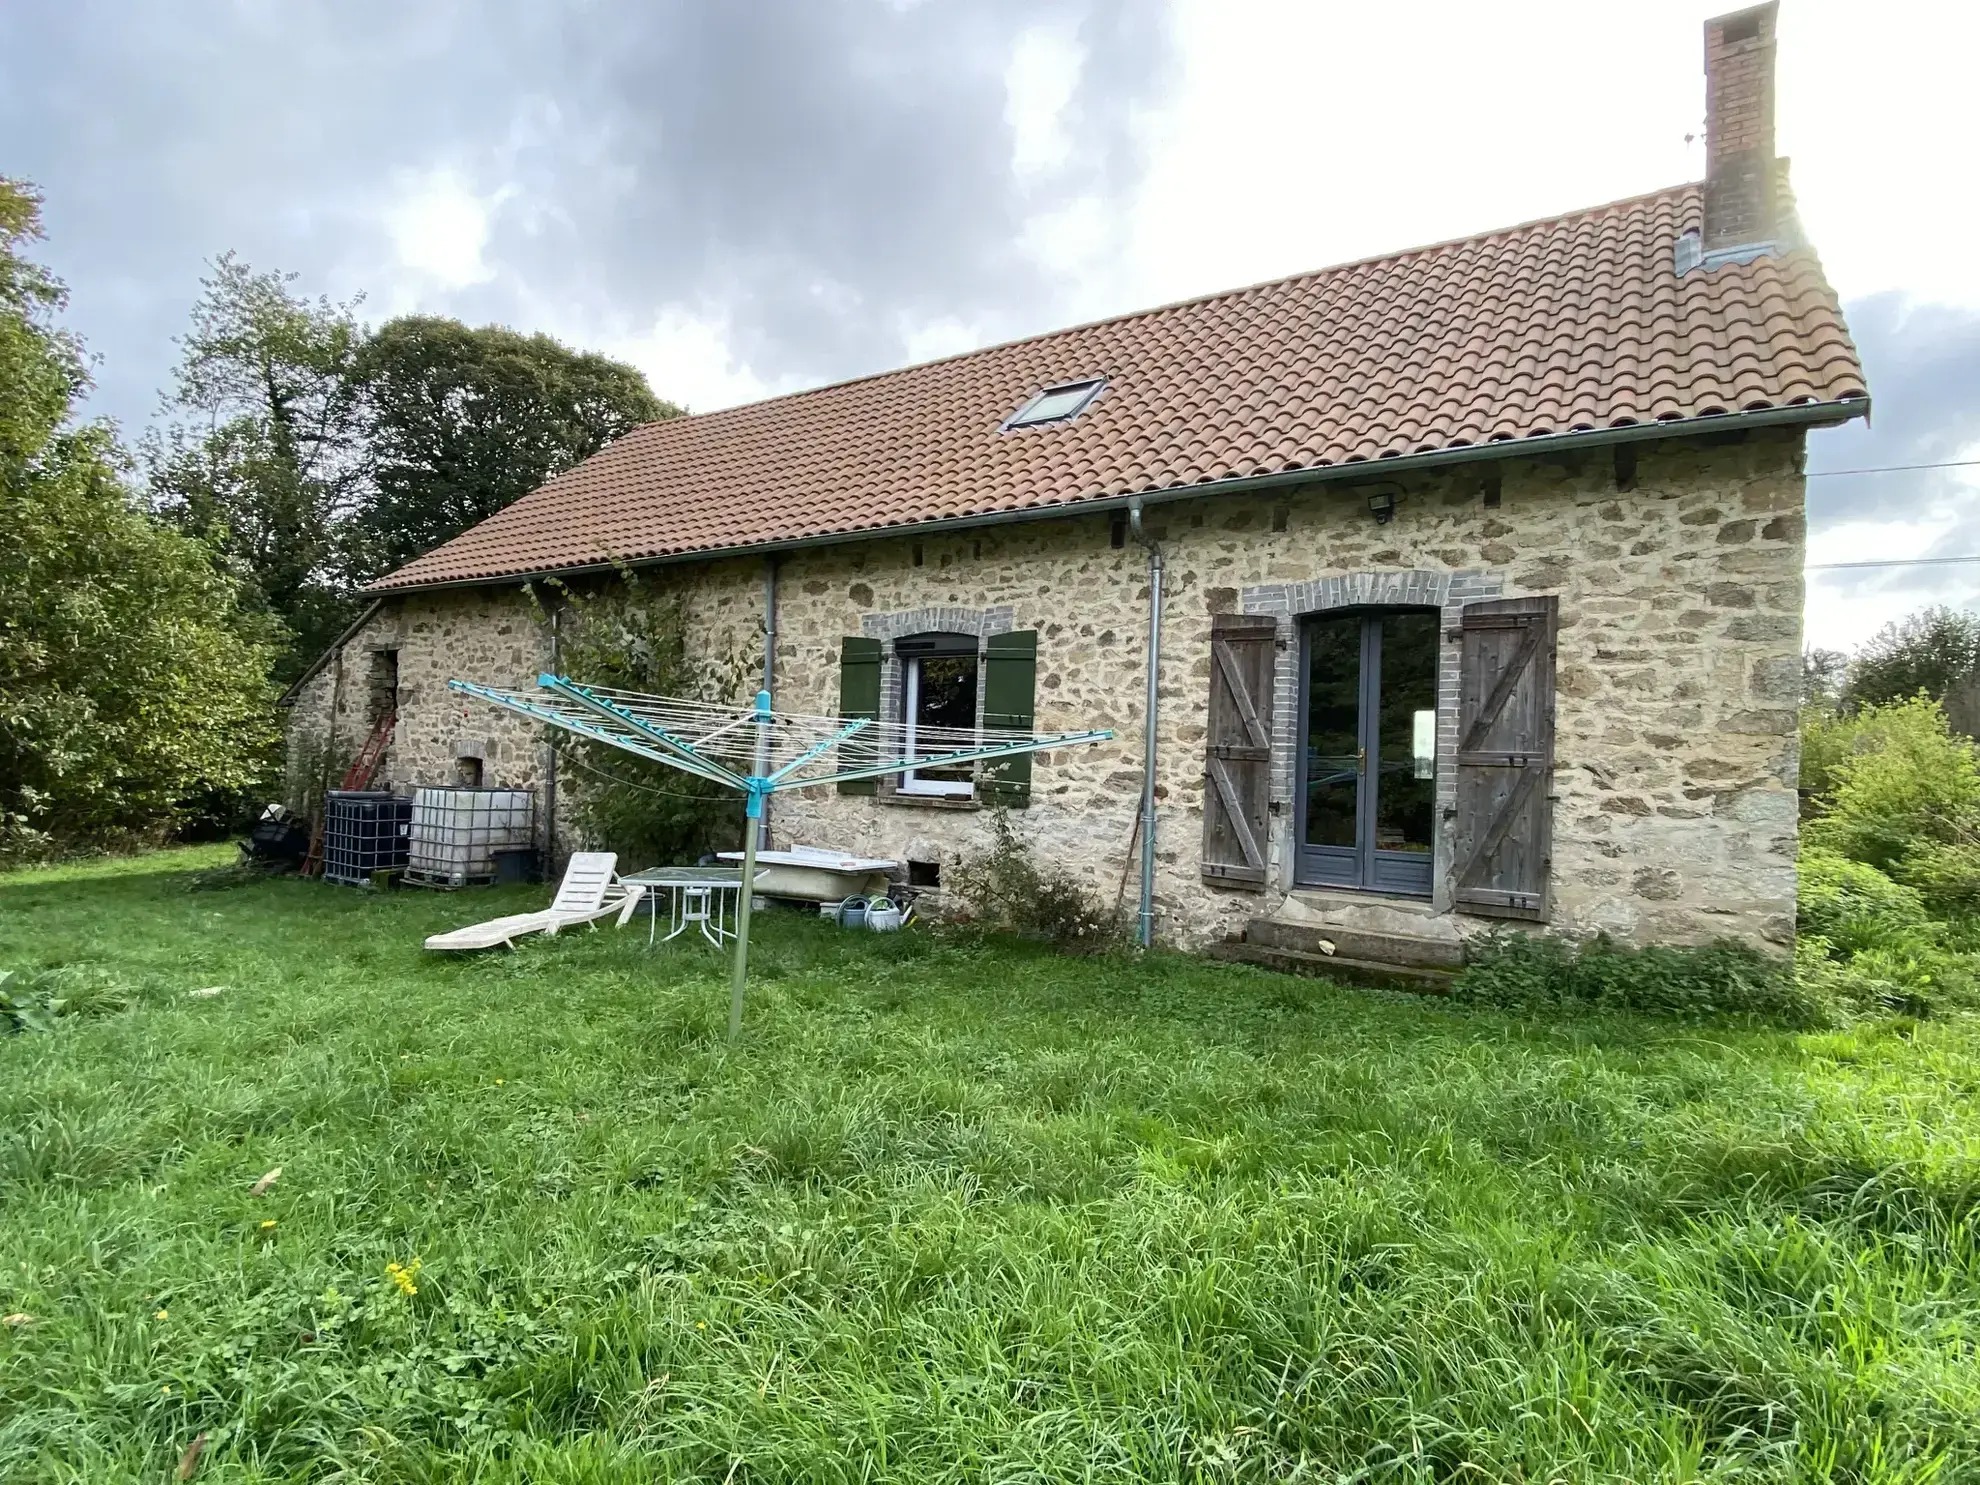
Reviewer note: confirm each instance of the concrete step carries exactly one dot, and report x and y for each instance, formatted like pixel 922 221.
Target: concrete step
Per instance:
pixel 1407 950
pixel 1337 967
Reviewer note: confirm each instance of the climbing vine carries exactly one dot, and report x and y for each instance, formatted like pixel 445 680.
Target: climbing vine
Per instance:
pixel 632 636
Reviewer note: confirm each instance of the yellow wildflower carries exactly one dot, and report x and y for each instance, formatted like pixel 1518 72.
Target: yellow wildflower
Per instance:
pixel 162 1315
pixel 269 1225
pixel 403 1275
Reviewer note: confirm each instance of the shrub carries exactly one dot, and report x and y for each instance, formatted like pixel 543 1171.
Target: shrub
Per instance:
pixel 1005 891
pixel 1856 907
pixel 36 1003
pixel 22 1009
pixel 1826 739
pixel 1827 977
pixel 1920 978
pixel 1726 978
pixel 1946 875
pixel 1899 777
pixel 1868 942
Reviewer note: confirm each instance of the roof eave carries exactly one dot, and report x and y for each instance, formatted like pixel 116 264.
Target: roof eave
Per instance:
pixel 1804 415
pixel 293 694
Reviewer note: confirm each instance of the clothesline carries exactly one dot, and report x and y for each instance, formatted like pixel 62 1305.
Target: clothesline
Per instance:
pixel 759 749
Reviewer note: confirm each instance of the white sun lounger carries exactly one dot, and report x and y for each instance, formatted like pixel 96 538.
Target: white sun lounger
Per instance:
pixel 590 890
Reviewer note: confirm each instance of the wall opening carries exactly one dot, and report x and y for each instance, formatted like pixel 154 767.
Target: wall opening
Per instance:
pixel 381 686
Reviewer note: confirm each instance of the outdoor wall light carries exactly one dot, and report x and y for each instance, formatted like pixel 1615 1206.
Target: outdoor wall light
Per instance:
pixel 1382 506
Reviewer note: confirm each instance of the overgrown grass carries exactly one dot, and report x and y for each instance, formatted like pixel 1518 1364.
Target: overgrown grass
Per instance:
pixel 947 1212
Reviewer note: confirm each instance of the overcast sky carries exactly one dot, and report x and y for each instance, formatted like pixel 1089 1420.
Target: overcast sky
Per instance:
pixel 753 196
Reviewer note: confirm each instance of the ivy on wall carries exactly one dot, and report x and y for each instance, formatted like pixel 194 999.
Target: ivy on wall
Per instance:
pixel 630 636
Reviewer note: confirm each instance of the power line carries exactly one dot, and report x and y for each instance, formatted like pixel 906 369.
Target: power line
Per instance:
pixel 1892 562
pixel 1897 561
pixel 1823 474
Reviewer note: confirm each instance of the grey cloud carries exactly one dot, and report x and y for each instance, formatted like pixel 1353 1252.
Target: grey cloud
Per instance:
pixel 1923 362
pixel 826 175
pixel 822 173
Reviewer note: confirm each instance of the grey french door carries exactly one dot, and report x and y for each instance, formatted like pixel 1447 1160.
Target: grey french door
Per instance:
pixel 1368 750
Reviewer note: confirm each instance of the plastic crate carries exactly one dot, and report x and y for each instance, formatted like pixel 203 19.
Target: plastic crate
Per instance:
pixel 364 831
pixel 456 833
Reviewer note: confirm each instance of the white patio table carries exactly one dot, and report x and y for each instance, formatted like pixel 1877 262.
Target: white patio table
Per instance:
pixel 701 897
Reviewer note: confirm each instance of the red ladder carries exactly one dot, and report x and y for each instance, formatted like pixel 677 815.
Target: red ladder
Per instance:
pixel 363 769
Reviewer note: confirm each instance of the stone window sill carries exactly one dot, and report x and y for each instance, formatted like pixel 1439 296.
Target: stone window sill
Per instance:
pixel 929 801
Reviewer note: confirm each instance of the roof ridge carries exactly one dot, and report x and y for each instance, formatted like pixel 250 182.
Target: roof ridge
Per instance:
pixel 1188 302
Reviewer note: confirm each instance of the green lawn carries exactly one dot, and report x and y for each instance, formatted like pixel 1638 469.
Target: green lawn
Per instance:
pixel 946 1212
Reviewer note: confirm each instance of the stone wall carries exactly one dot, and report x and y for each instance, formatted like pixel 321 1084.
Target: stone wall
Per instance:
pixel 491 634
pixel 1679 578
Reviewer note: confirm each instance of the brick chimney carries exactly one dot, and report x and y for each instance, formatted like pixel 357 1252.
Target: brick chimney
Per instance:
pixel 1743 216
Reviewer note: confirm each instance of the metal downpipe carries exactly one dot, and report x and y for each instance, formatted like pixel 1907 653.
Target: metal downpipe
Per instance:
pixel 771 561
pixel 550 763
pixel 1145 924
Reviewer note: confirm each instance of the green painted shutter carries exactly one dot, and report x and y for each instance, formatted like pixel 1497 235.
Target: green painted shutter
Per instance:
pixel 1010 691
pixel 859 696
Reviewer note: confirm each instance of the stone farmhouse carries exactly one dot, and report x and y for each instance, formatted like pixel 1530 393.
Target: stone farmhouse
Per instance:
pixel 1469 579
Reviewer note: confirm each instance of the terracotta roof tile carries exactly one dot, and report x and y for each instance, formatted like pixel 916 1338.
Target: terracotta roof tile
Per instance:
pixel 1571 324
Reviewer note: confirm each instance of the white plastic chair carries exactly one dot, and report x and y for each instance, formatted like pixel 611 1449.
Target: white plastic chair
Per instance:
pixel 590 890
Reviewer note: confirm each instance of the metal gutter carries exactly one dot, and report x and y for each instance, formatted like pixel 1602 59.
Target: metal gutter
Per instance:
pixel 1545 447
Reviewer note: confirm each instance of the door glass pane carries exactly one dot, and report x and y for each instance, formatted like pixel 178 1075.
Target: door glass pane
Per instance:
pixel 945 696
pixel 1333 728
pixel 1405 796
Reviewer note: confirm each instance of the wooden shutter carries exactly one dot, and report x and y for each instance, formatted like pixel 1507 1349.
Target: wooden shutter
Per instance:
pixel 1505 758
pixel 1010 700
pixel 859 696
pixel 1237 786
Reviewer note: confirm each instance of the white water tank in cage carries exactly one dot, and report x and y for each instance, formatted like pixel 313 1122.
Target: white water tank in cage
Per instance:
pixel 456 833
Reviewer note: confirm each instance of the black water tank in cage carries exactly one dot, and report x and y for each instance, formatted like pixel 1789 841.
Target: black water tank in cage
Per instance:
pixel 364 831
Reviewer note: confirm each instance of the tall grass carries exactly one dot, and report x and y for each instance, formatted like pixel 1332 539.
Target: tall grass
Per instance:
pixel 948 1212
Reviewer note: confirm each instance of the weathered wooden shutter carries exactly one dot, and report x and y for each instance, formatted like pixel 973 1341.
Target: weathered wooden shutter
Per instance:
pixel 1237 786
pixel 859 696
pixel 1010 700
pixel 1505 757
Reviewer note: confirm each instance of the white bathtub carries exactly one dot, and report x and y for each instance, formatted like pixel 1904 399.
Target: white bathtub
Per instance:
pixel 813 874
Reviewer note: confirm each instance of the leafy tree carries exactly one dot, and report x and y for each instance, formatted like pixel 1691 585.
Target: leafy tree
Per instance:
pixel 128 681
pixel 1931 651
pixel 267 462
pixel 460 422
pixel 1823 674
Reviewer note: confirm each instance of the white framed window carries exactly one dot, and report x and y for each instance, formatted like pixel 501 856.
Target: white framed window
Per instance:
pixel 939 680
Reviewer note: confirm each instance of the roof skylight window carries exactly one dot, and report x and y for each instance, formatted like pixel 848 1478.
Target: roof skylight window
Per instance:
pixel 1060 404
